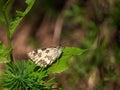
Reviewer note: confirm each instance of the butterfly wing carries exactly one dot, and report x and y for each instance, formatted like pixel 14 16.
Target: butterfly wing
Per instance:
pixel 44 57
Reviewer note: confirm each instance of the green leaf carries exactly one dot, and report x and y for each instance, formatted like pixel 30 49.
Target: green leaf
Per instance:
pixel 4 52
pixel 62 64
pixel 19 16
pixel 72 51
pixel 28 1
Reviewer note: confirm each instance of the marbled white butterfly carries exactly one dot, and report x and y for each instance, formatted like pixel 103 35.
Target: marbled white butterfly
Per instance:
pixel 46 56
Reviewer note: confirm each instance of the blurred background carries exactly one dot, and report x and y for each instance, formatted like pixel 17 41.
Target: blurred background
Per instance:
pixel 88 24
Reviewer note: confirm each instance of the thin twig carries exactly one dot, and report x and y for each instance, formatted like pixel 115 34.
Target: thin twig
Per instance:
pixel 59 23
pixel 93 79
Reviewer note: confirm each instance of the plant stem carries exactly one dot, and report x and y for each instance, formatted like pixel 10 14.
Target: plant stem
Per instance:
pixel 8 30
pixel 8 33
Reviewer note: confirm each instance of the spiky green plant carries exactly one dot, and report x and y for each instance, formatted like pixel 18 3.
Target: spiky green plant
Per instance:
pixel 25 76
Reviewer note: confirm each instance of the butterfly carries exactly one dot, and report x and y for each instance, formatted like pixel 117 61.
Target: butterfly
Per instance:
pixel 46 56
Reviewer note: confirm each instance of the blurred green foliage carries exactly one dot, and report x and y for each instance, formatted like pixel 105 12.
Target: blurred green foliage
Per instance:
pixel 103 53
pixel 1 12
pixel 115 12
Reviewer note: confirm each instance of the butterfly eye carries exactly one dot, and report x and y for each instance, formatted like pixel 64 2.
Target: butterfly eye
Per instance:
pixel 47 51
pixel 43 49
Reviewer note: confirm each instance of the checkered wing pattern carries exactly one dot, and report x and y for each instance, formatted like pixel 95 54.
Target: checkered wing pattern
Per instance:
pixel 45 57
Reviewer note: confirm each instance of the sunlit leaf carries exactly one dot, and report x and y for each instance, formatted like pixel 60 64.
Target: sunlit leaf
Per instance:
pixel 62 64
